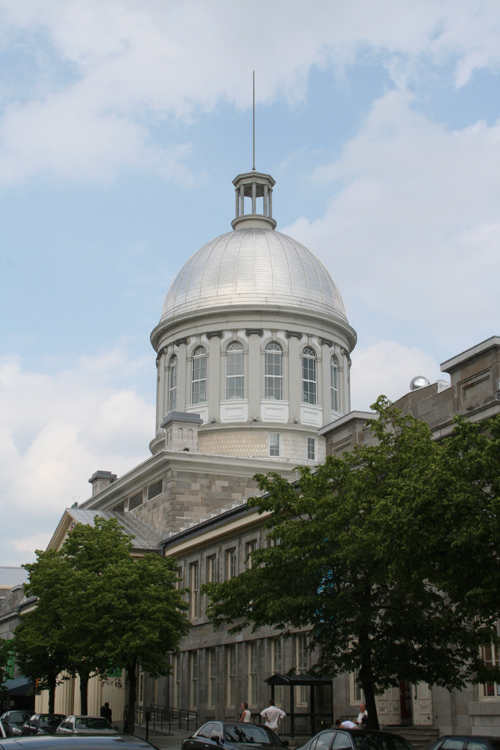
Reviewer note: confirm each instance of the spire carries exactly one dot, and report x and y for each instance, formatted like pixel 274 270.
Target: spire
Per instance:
pixel 255 186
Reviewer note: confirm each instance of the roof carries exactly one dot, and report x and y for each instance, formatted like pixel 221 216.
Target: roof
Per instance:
pixel 19 686
pixel 145 538
pixel 253 266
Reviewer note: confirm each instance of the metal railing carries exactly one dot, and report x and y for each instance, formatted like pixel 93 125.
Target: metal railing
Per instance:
pixel 166 717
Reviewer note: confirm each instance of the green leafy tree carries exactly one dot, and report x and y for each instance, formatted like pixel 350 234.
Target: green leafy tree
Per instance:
pixel 353 560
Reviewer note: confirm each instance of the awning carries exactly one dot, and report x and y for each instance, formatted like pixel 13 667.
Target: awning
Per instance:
pixel 19 686
pixel 297 679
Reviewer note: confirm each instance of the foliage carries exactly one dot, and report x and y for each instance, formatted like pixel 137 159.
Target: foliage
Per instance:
pixel 353 559
pixel 98 605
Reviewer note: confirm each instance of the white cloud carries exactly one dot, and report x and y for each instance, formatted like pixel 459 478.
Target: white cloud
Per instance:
pixel 386 368
pixel 107 71
pixel 55 431
pixel 412 230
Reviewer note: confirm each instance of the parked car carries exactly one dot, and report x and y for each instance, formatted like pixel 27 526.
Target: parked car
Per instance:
pixel 76 742
pixel 356 739
pixel 230 734
pixel 42 723
pixel 85 725
pixel 14 720
pixel 466 742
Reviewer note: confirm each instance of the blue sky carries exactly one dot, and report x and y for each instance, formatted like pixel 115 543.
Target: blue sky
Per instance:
pixel 122 125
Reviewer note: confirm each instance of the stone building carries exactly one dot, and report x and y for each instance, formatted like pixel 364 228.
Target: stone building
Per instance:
pixel 253 375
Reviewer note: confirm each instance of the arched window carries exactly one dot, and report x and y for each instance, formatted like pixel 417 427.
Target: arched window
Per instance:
pixel 235 380
pixel 199 381
pixel 308 376
pixel 172 384
pixel 334 383
pixel 273 372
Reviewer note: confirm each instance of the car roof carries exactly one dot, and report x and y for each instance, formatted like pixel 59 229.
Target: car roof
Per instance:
pixel 73 742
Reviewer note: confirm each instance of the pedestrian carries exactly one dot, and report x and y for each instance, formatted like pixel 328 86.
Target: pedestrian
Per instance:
pixel 347 724
pixel 106 712
pixel 245 713
pixel 272 715
pixel 362 720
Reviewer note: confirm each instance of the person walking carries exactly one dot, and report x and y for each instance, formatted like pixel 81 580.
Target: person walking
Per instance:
pixel 245 713
pixel 106 712
pixel 272 715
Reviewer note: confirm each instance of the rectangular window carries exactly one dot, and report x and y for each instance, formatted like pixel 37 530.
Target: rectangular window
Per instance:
pixel 249 548
pixel 193 679
pixel 155 489
pixel 230 676
pixel 311 449
pixel 135 500
pixel 177 679
pixel 212 678
pixel 276 656
pixel 274 444
pixel 252 674
pixel 140 695
pixel 491 657
pixel 120 507
pixel 301 666
pixel 194 585
pixel 211 569
pixel 234 371
pixel 231 563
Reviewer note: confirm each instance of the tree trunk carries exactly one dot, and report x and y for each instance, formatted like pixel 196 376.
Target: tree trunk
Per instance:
pixel 84 685
pixel 131 696
pixel 371 706
pixel 52 692
pixel 365 672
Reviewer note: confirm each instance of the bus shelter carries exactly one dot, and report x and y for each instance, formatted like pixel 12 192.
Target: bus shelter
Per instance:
pixel 311 721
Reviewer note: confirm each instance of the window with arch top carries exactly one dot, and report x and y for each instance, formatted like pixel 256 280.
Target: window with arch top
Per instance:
pixel 273 372
pixel 308 375
pixel 334 383
pixel 172 383
pixel 199 379
pixel 235 379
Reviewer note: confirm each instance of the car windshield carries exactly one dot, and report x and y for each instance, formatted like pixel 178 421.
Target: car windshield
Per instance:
pixel 51 721
pixel 369 741
pixel 17 716
pixel 92 722
pixel 250 733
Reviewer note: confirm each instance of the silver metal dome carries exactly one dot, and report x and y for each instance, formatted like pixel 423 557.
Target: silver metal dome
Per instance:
pixel 253 266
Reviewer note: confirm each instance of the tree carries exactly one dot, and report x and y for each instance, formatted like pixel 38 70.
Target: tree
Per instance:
pixel 353 560
pixel 105 608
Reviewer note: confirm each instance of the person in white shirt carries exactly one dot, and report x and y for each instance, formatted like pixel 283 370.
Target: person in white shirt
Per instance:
pixel 347 724
pixel 272 715
pixel 362 719
pixel 245 713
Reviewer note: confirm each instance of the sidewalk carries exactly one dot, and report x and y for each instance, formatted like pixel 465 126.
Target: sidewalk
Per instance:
pixel 164 740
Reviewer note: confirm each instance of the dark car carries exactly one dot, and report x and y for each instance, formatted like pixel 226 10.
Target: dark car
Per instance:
pixel 466 742
pixel 75 742
pixel 42 723
pixel 231 734
pixel 356 739
pixel 14 720
pixel 85 725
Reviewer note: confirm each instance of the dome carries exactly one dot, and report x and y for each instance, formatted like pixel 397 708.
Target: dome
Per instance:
pixel 253 266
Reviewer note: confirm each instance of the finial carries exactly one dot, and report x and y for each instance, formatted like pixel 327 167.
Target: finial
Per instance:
pixel 253 167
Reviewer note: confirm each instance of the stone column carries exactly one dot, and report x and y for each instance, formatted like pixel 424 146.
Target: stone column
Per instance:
pixel 214 374
pixel 254 376
pixel 183 378
pixel 325 398
pixel 294 375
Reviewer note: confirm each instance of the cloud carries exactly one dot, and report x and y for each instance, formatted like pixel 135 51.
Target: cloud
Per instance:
pixel 411 231
pixel 102 75
pixel 55 431
pixel 386 368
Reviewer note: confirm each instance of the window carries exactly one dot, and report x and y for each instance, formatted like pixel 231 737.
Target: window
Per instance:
pixel 155 489
pixel 273 372
pixel 249 548
pixel 252 674
pixel 231 566
pixel 357 695
pixel 234 371
pixel 177 679
pixel 231 676
pixel 172 384
pixel 211 569
pixel 193 679
pixel 276 656
pixel 491 657
pixel 194 585
pixel 135 500
pixel 301 665
pixel 274 444
pixel 308 376
pixel 311 449
pixel 199 382
pixel 212 678
pixel 334 383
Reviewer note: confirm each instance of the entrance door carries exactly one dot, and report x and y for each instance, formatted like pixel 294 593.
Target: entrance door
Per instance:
pixel 422 704
pixel 405 703
pixel 388 708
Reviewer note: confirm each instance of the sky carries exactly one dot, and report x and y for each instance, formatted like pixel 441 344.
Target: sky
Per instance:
pixel 122 126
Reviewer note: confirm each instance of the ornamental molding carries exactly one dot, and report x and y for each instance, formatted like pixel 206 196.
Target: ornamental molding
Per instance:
pixel 326 342
pixel 293 334
pixel 214 334
pixel 256 331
